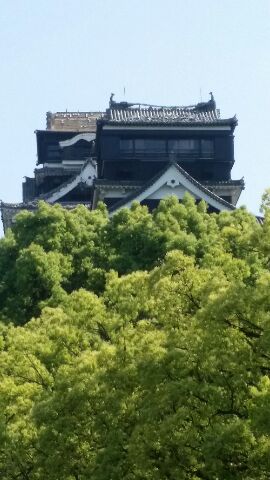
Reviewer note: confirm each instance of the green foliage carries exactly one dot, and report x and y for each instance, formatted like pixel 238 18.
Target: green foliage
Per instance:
pixel 135 347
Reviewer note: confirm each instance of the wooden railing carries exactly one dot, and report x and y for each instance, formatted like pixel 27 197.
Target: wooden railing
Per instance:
pixel 163 156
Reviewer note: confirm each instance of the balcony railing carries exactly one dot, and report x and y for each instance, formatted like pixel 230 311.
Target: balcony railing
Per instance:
pixel 164 156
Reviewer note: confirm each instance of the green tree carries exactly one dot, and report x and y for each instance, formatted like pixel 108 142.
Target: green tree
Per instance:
pixel 148 357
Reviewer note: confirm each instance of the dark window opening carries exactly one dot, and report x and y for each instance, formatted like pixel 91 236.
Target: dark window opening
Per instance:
pixel 184 146
pixel 141 145
pixel 149 145
pixel 180 147
pixel 207 147
pixel 126 145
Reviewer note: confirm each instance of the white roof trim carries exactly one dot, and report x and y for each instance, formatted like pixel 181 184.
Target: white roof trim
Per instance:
pixel 87 176
pixel 180 184
pixel 167 127
pixel 88 137
pixel 64 164
pixel 51 165
pixel 73 162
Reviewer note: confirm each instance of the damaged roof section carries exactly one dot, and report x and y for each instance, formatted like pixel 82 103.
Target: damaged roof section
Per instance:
pixel 73 121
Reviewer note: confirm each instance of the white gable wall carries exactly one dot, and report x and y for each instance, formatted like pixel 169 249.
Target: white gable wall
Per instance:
pixel 166 190
pixel 174 182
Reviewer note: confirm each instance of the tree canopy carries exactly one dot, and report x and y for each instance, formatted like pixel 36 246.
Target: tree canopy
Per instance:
pixel 135 347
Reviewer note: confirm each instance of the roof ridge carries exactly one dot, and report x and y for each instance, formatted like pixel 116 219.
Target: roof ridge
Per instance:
pixel 172 115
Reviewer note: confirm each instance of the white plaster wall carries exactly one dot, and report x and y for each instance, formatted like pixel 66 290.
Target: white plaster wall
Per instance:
pixel 166 191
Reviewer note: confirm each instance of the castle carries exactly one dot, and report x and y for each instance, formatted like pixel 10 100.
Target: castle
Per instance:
pixel 133 152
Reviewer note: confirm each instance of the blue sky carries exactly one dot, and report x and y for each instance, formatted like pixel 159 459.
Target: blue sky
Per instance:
pixel 66 54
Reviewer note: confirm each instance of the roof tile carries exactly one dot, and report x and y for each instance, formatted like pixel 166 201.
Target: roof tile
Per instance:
pixel 165 115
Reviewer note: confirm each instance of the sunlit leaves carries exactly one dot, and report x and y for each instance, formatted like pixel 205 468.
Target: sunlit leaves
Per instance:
pixel 135 347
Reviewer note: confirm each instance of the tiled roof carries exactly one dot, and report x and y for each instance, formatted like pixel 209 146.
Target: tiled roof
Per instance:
pixel 211 183
pixel 72 182
pixel 73 121
pixel 9 210
pixel 34 204
pixel 121 203
pixel 47 195
pixel 19 206
pixel 166 115
pixel 126 113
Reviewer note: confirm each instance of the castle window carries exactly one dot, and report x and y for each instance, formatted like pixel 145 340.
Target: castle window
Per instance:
pixel 207 146
pixel 149 145
pixel 183 146
pixel 126 145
